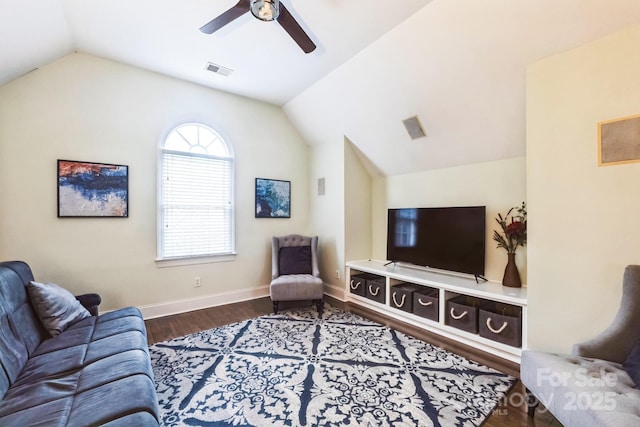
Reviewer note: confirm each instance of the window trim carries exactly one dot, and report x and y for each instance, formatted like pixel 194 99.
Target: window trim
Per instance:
pixel 194 260
pixel 203 258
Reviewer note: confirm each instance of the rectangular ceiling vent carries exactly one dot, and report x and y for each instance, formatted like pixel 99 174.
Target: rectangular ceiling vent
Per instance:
pixel 218 69
pixel 414 128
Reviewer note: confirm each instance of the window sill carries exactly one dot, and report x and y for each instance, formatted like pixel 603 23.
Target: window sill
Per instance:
pixel 177 262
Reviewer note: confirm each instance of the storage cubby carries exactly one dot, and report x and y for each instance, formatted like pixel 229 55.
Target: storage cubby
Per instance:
pixel 426 303
pixel 402 296
pixel 495 319
pixel 462 312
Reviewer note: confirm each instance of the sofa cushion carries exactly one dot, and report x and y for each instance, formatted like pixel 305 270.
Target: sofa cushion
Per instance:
pixel 632 364
pixel 56 307
pixel 13 353
pixel 294 260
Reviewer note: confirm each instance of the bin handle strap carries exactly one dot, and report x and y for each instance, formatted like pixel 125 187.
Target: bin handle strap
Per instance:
pixel 496 331
pixel 356 286
pixel 458 317
pixel 375 294
pixel 401 301
pixel 424 304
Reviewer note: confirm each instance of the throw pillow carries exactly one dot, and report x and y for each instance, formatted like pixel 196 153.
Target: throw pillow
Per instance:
pixel 294 260
pixel 56 307
pixel 632 364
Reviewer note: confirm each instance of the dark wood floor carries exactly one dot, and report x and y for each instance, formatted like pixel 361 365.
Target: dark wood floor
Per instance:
pixel 510 414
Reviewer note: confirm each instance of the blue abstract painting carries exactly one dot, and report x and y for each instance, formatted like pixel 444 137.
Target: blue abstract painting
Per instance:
pixel 92 189
pixel 273 198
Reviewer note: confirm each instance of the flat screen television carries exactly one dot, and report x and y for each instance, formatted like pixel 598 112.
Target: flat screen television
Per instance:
pixel 446 238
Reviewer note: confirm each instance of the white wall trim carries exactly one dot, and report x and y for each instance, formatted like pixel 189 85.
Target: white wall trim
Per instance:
pixel 336 292
pixel 169 308
pixel 190 304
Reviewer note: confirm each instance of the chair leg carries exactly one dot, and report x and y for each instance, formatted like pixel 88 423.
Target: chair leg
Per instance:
pixel 320 307
pixel 275 307
pixel 532 403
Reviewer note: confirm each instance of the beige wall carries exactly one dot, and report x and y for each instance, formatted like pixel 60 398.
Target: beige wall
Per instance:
pixel 498 185
pixel 357 201
pixel 583 218
pixel 90 109
pixel 327 212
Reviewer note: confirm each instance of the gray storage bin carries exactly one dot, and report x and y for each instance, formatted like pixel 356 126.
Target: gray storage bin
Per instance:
pixel 462 313
pixel 376 289
pixel 426 303
pixel 502 323
pixel 358 284
pixel 402 296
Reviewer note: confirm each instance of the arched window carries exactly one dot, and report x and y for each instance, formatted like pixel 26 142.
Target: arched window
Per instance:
pixel 195 208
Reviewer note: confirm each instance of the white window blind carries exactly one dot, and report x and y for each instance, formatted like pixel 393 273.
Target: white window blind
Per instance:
pixel 196 206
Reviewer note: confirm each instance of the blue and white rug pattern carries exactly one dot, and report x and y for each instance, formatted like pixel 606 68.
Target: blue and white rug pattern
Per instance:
pixel 293 369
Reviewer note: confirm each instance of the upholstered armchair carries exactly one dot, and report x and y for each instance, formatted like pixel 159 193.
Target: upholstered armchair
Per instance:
pixel 599 383
pixel 294 270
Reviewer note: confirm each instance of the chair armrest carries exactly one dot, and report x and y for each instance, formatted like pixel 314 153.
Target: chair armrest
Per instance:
pixel 610 345
pixel 90 302
pixel 616 342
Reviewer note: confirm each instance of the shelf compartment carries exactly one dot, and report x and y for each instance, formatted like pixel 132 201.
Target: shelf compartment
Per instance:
pixel 402 296
pixel 358 284
pixel 462 312
pixel 502 323
pixel 426 303
pixel 376 288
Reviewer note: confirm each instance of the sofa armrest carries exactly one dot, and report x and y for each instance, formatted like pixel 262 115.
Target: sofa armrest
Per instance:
pixel 90 302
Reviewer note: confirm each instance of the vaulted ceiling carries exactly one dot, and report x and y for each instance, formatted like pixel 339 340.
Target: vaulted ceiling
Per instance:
pixel 458 65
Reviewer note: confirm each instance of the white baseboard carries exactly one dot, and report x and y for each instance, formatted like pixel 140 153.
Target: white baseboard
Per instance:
pixel 190 304
pixel 335 291
pixel 169 308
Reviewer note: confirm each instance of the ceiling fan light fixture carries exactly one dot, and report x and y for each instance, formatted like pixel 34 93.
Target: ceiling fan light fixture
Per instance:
pixel 265 10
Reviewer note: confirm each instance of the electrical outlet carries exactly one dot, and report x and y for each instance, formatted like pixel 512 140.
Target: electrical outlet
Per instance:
pixel 196 281
pixel 337 274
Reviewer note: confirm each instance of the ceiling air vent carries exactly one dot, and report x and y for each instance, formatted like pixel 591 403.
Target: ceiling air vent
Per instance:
pixel 414 128
pixel 218 69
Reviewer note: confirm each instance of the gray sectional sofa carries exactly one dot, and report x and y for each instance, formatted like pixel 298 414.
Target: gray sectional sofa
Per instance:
pixel 96 372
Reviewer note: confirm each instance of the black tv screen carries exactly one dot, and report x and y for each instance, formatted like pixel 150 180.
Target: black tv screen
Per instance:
pixel 448 238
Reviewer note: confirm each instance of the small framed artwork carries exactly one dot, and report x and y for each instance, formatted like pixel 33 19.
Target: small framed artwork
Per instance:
pixel 619 141
pixel 273 198
pixel 87 189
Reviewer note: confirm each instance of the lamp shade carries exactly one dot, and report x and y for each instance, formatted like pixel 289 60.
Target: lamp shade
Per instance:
pixel 265 10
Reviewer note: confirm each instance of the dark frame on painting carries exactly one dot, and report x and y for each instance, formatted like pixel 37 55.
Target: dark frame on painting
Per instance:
pixel 273 198
pixel 87 189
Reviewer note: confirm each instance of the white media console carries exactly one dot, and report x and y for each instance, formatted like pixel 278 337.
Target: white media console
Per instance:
pixel 448 287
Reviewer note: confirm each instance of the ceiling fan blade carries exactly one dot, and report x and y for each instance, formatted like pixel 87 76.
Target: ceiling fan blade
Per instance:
pixel 294 29
pixel 235 12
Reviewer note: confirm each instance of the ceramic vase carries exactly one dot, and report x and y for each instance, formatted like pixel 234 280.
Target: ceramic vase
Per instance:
pixel 511 276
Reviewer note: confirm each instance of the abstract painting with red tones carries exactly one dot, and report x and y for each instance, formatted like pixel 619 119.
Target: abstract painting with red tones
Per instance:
pixel 89 189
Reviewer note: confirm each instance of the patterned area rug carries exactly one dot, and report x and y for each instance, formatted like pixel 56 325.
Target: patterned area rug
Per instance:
pixel 293 369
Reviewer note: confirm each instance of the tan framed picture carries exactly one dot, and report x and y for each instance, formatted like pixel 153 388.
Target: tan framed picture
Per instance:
pixel 619 141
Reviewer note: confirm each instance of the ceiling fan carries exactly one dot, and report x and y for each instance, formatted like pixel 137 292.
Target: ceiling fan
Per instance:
pixel 264 10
